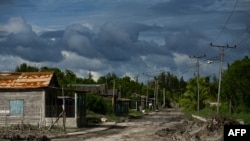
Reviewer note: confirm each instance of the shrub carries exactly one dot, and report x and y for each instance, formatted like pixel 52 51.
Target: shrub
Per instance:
pixel 98 104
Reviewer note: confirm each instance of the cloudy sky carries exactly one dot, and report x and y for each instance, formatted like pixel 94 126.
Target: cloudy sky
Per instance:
pixel 127 37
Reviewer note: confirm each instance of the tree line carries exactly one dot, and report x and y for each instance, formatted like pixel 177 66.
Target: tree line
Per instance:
pixel 235 86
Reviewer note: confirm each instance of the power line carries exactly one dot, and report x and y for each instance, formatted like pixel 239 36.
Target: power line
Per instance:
pixel 222 48
pixel 240 43
pixel 170 69
pixel 230 15
pixel 240 35
pixel 243 40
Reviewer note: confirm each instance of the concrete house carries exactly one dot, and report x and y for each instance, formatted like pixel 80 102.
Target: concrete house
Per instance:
pixel 35 98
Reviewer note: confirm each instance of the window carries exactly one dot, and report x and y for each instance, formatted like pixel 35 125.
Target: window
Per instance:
pixel 16 107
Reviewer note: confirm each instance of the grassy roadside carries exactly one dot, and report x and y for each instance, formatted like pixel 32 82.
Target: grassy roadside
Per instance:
pixel 206 113
pixel 134 114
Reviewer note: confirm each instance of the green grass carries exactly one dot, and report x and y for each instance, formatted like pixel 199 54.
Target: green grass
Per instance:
pixel 244 117
pixel 209 112
pixel 112 117
pixel 133 113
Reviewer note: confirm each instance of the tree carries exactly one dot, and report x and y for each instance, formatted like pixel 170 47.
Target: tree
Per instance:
pixel 213 88
pixel 172 85
pixel 59 74
pixel 70 77
pixel 236 85
pixel 25 68
pixel 89 80
pixel 189 99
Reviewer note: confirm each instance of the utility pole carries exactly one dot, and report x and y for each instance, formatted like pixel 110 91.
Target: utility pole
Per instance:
pixel 147 90
pixel 113 99
pixel 198 74
pixel 156 95
pixel 157 98
pixel 222 48
pixel 147 94
pixel 164 99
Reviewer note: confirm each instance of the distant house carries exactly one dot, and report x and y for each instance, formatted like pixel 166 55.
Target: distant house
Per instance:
pixel 35 98
pixel 120 105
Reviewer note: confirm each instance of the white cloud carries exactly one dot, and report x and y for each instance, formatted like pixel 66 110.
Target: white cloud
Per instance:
pixel 74 61
pixel 90 26
pixel 9 62
pixel 16 25
pixel 181 59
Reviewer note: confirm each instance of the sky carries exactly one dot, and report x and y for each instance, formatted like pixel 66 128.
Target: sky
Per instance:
pixel 136 38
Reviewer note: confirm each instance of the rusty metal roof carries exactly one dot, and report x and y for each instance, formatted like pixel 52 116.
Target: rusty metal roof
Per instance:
pixel 17 80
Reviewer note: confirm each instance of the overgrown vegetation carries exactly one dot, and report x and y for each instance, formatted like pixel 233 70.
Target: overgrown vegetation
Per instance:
pixel 236 86
pixel 98 104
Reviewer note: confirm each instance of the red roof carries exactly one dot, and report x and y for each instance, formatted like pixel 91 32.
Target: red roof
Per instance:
pixel 17 80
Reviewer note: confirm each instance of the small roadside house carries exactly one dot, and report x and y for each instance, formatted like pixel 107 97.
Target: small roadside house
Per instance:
pixel 35 98
pixel 122 106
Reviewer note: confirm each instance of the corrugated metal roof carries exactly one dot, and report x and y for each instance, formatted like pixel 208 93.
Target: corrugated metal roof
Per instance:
pixel 17 80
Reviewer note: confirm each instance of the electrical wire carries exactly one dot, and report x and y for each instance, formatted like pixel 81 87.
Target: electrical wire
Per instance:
pixel 189 66
pixel 240 35
pixel 227 21
pixel 243 40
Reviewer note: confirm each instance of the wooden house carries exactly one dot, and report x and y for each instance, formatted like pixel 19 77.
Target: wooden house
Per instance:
pixel 35 98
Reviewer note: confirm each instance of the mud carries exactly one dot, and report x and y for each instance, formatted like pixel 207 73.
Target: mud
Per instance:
pixel 168 124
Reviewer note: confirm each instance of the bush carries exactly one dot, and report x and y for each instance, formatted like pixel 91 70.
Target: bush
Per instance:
pixel 98 104
pixel 187 104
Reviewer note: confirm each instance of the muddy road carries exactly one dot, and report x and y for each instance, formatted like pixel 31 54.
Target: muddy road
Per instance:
pixel 169 124
pixel 164 125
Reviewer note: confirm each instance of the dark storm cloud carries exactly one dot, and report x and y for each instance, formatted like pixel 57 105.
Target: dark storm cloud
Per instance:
pixel 78 39
pixel 115 42
pixel 52 34
pixel 5 2
pixel 186 41
pixel 122 36
pixel 18 39
pixel 182 7
pixel 119 42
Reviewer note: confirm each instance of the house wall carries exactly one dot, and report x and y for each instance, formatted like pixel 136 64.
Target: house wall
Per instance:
pixel 33 107
pixel 69 122
pixel 37 109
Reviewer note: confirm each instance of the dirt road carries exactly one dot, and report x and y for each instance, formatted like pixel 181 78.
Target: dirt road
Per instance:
pixel 164 125
pixel 167 124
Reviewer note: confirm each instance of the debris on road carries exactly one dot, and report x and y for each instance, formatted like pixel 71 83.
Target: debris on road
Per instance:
pixel 166 124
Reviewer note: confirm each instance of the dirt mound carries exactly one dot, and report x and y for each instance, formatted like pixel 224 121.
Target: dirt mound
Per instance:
pixel 23 132
pixel 212 130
